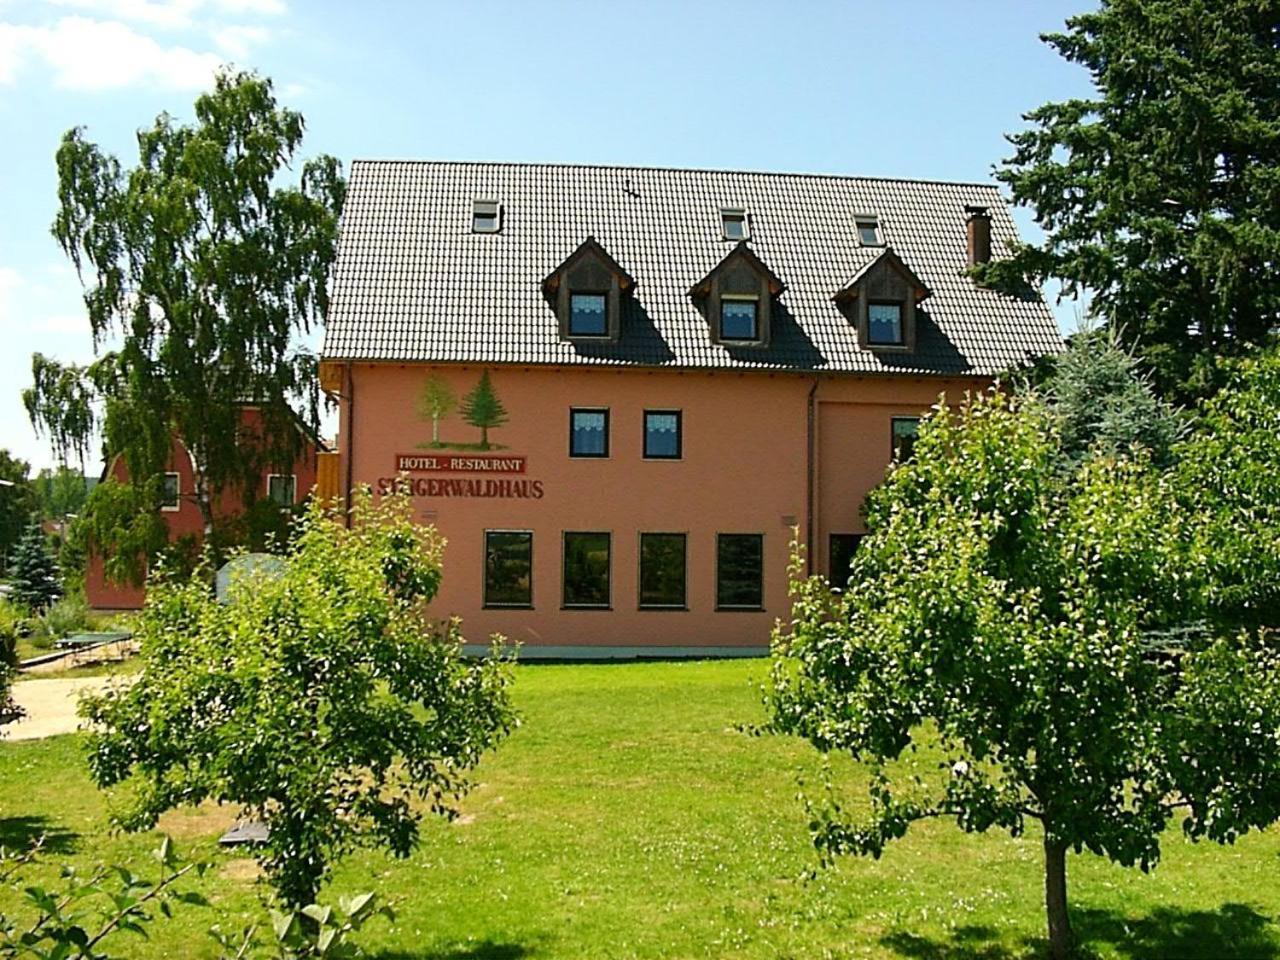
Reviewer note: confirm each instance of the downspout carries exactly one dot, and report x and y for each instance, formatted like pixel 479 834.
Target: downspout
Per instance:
pixel 350 440
pixel 808 475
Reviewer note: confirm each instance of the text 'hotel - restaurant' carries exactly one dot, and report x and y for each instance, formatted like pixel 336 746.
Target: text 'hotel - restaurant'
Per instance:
pixel 617 391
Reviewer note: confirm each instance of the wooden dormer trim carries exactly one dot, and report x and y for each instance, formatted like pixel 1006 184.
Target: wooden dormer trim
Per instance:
pixel 589 269
pixel 885 279
pixel 740 274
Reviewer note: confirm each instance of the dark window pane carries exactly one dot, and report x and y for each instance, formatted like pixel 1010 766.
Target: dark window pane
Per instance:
pixel 589 433
pixel 739 568
pixel 281 489
pixel 171 490
pixel 738 320
pixel 735 226
pixel 869 233
pixel 662 434
pixel 662 570
pixel 587 315
pixel 904 437
pixel 884 322
pixel 586 569
pixel 843 547
pixel 508 569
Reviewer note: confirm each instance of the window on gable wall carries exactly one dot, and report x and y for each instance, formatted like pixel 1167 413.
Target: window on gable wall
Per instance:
pixel 884 323
pixel 172 491
pixel 738 319
pixel 588 315
pixel 282 488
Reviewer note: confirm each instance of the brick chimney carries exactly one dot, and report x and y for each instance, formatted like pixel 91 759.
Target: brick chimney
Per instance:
pixel 978 230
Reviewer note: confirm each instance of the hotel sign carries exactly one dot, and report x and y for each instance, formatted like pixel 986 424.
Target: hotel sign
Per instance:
pixel 501 487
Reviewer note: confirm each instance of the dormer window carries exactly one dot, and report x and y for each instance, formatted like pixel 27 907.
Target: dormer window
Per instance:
pixel 736 297
pixel 738 320
pixel 733 224
pixel 486 216
pixel 881 302
pixel 588 315
pixel 586 291
pixel 868 230
pixel 884 323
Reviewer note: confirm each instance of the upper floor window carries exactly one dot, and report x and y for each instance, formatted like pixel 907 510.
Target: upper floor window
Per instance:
pixel 508 568
pixel 282 489
pixel 172 491
pixel 869 230
pixel 733 224
pixel 904 437
pixel 486 216
pixel 662 440
pixel 588 316
pixel 884 323
pixel 588 433
pixel 738 320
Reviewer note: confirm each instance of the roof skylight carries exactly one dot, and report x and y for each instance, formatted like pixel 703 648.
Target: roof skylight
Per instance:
pixel 486 216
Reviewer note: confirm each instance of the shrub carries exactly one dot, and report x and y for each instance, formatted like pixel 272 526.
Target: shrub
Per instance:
pixel 68 615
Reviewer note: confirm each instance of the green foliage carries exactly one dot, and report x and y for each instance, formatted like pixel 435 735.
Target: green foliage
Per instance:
pixel 61 492
pixel 316 930
pixel 1159 194
pixel 482 408
pixel 83 916
pixel 204 265
pixel 67 615
pixel 1228 477
pixel 324 703
pixel 1104 404
pixel 33 573
pixel 17 502
pixel 123 522
pixel 1014 609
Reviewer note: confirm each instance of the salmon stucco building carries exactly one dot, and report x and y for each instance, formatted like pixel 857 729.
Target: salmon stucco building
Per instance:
pixel 617 391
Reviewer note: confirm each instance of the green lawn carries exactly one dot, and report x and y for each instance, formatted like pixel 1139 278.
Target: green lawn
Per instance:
pixel 628 818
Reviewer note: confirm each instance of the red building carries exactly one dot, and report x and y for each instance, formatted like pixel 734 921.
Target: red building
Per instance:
pixel 182 513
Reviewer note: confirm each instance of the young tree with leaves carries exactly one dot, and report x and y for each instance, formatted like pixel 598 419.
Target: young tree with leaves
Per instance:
pixel 325 702
pixel 33 573
pixel 435 402
pixel 482 408
pixel 1010 612
pixel 1159 194
pixel 18 502
pixel 204 266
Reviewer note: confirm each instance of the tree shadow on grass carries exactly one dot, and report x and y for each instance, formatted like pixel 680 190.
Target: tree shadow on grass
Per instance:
pixel 1232 932
pixel 20 834
pixel 484 950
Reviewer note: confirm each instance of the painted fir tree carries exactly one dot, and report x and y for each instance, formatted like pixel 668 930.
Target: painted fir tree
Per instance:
pixel 482 408
pixel 33 572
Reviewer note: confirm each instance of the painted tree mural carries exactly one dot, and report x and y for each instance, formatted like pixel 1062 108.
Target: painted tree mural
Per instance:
pixel 435 402
pixel 482 408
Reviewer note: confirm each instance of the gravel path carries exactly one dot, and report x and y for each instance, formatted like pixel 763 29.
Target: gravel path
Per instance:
pixel 50 706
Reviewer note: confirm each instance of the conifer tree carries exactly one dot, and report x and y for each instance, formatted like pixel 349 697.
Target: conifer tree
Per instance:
pixel 482 408
pixel 34 573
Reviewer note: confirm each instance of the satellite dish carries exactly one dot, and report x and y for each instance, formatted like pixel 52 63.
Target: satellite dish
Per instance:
pixel 248 566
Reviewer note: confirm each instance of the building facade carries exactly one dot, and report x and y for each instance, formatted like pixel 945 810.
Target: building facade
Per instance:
pixel 620 393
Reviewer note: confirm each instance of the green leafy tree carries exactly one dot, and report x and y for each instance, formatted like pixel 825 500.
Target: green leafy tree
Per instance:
pixel 1103 401
pixel 1228 478
pixel 1159 193
pixel 33 573
pixel 18 502
pixel 1011 616
pixel 62 492
pixel 324 702
pixel 435 402
pixel 204 266
pixel 482 408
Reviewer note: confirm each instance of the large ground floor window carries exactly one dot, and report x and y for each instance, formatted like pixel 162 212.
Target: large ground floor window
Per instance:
pixel 586 569
pixel 508 568
pixel 662 571
pixel 739 571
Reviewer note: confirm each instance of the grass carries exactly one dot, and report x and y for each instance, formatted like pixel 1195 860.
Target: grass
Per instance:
pixel 629 818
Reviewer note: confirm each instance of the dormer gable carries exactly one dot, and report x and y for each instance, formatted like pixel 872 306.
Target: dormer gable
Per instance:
pixel 586 291
pixel 881 302
pixel 737 298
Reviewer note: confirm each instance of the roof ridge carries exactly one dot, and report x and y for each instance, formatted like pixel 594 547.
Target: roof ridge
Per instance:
pixel 406 161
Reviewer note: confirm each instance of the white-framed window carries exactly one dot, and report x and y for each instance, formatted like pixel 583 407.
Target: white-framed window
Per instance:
pixel 282 488
pixel 486 216
pixel 868 225
pixel 733 223
pixel 170 500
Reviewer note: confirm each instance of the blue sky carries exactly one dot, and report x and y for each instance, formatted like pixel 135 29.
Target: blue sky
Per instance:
pixel 910 88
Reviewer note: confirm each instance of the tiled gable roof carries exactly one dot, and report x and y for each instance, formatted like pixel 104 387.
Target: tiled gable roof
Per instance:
pixel 412 282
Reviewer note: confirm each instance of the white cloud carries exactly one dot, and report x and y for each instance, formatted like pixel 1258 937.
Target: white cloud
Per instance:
pixel 236 41
pixel 172 14
pixel 89 54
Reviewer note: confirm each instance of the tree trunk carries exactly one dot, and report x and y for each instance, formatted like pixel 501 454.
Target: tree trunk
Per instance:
pixel 435 429
pixel 1055 898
